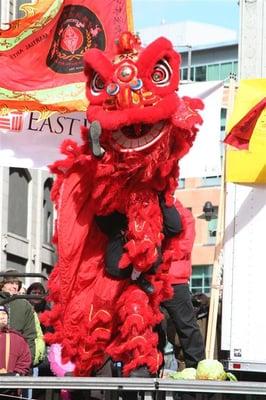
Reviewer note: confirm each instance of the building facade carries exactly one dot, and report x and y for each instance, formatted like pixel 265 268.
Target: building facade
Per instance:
pixel 208 53
pixel 26 215
pixel 195 193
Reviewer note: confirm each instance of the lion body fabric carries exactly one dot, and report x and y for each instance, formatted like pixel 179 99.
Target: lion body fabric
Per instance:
pixel 146 129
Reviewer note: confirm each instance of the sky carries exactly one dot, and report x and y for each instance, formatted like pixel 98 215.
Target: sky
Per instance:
pixel 147 13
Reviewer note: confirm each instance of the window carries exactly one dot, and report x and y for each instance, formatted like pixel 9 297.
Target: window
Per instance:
pixel 200 281
pixel 181 183
pixel 192 73
pixel 221 71
pixel 226 69
pixel 235 67
pixel 47 212
pixel 18 201
pixel 213 72
pixel 223 118
pixel 46 269
pixel 183 74
pixel 15 262
pixel 211 181
pixel 212 227
pixel 223 127
pixel 201 73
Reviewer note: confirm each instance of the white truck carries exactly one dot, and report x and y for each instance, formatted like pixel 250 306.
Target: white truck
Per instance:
pixel 244 277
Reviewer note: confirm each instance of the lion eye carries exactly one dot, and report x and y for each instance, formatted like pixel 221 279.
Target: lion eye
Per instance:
pixel 97 84
pixel 161 73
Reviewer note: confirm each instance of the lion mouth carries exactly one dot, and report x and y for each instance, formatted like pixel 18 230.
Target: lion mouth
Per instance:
pixel 137 137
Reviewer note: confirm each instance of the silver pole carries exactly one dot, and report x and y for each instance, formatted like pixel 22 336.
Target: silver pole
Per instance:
pixel 4 13
pixel 189 56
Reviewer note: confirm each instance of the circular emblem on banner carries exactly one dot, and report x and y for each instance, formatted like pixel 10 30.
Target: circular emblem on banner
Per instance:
pixel 78 30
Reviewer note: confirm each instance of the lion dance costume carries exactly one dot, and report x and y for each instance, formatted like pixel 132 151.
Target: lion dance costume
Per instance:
pixel 146 129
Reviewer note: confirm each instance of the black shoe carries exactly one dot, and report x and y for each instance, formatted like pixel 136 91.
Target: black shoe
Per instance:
pixel 95 132
pixel 145 285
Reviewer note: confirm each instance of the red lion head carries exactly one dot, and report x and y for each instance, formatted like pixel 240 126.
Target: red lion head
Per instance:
pixel 134 96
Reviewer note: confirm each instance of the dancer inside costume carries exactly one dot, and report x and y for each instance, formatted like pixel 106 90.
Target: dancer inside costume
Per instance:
pixel 127 169
pixel 115 227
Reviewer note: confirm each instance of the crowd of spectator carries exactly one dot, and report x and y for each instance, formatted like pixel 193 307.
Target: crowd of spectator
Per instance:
pixel 22 346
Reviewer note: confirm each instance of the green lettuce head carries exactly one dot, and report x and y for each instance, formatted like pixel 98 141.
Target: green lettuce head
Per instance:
pixel 213 370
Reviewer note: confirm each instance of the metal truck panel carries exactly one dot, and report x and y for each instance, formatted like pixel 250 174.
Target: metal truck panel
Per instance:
pixel 244 277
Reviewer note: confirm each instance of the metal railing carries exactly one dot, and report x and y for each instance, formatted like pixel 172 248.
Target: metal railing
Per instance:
pixel 23 274
pixel 150 387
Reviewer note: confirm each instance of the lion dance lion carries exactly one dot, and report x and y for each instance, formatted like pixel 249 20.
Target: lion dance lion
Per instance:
pixel 146 128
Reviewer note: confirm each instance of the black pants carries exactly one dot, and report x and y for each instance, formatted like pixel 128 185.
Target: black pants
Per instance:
pixel 181 312
pixel 113 224
pixel 113 255
pixel 114 251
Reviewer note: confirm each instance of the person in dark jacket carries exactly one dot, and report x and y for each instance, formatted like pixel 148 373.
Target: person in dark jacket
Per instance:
pixel 21 313
pixel 179 307
pixel 15 356
pixel 39 305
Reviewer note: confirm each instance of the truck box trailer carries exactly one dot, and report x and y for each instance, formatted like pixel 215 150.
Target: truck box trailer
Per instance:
pixel 244 277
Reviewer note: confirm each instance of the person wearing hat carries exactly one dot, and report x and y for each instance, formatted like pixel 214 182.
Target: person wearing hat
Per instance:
pixel 10 282
pixel 21 313
pixel 15 356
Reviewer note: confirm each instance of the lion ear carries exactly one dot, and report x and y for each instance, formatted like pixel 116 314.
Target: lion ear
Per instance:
pixel 98 70
pixel 160 57
pixel 95 61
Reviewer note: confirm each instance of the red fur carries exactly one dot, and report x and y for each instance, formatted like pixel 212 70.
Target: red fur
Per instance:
pixel 94 315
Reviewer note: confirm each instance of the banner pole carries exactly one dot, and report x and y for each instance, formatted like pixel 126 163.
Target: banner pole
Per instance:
pixel 130 19
pixel 217 265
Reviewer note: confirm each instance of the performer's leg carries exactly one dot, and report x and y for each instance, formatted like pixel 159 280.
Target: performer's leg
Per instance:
pixel 113 255
pixel 172 224
pixel 181 312
pixel 114 251
pixel 113 226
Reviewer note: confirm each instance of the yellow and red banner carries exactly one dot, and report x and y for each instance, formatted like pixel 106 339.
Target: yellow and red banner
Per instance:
pixel 247 132
pixel 41 56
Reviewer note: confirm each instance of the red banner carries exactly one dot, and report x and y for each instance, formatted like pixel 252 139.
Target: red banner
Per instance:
pixel 239 136
pixel 43 64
